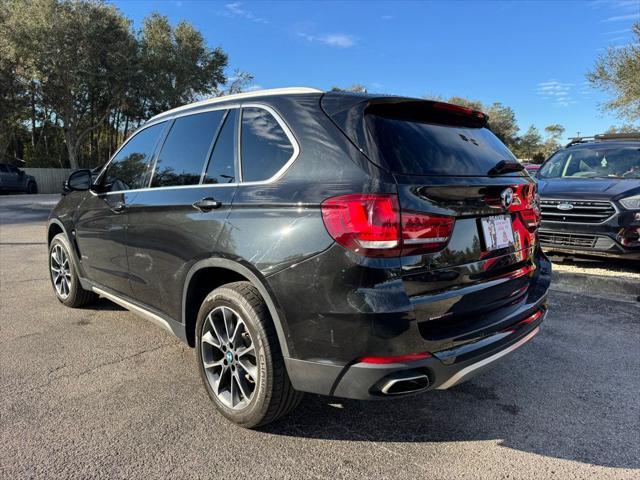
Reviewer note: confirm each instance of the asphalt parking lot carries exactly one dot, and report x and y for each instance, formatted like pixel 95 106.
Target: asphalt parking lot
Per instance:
pixel 101 393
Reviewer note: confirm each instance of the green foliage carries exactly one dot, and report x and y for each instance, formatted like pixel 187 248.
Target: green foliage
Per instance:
pixel 617 71
pixel 355 88
pixel 502 119
pixel 75 77
pixel 625 128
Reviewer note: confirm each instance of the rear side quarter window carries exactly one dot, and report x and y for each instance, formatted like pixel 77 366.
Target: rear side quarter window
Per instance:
pixel 265 147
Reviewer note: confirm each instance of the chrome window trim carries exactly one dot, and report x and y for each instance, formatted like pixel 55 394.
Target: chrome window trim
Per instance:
pixel 238 97
pixel 239 106
pixel 287 132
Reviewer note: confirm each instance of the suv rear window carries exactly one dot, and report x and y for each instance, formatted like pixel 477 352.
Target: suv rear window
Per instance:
pixel 418 148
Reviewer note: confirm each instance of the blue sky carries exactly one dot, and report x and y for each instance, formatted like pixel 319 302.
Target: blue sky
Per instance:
pixel 532 56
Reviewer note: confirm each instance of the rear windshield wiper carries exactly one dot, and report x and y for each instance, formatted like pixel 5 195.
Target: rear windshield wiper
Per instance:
pixel 505 167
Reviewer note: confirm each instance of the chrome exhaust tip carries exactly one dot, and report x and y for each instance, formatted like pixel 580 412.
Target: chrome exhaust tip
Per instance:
pixel 403 385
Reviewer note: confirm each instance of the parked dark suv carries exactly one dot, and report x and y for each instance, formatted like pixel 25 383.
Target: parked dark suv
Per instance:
pixel 590 197
pixel 12 179
pixel 355 246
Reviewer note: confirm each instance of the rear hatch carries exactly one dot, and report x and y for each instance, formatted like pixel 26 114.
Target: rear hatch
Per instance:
pixel 463 187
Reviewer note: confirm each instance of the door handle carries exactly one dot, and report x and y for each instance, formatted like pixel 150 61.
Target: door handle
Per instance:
pixel 118 207
pixel 207 204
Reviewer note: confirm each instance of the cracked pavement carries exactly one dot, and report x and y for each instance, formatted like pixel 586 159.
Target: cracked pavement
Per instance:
pixel 101 393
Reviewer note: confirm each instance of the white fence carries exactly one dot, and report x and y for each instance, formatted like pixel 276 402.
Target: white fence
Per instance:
pixel 49 180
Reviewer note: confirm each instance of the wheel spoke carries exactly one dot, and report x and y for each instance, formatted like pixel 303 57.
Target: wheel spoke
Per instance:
pixel 221 378
pixel 216 330
pixel 233 389
pixel 249 368
pixel 211 340
pixel 240 384
pixel 246 351
pixel 227 317
pixel 217 363
pixel 233 339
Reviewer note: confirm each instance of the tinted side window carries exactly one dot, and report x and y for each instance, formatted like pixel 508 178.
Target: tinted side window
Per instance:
pixel 3 168
pixel 265 148
pixel 183 154
pixel 221 167
pixel 128 169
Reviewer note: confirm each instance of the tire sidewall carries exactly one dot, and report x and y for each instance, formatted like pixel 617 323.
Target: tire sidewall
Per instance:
pixel 73 287
pixel 257 409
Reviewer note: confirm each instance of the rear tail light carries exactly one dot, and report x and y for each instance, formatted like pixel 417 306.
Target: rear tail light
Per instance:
pixel 372 225
pixel 527 201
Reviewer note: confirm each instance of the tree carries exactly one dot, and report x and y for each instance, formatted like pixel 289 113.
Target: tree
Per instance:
pixel 176 65
pixel 529 144
pixel 502 122
pixel 75 55
pixel 617 71
pixel 355 88
pixel 13 101
pixel 625 128
pixel 554 131
pixel 237 83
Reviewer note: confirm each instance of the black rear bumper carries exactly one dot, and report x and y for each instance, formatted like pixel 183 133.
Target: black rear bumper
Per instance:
pixel 442 370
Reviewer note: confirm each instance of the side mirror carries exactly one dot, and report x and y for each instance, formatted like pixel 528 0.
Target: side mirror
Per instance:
pixel 80 180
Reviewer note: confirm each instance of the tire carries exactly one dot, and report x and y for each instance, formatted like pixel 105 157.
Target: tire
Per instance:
pixel 32 188
pixel 272 396
pixel 63 275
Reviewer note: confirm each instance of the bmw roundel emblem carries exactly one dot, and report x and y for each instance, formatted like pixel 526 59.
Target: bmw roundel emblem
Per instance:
pixel 506 197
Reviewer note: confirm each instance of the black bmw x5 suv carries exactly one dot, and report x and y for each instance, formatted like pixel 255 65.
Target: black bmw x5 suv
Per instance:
pixel 348 245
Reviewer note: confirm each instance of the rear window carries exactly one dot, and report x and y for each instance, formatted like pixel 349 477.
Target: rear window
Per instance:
pixel 419 148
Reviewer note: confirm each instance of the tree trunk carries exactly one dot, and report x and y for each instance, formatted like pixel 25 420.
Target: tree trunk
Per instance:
pixel 70 138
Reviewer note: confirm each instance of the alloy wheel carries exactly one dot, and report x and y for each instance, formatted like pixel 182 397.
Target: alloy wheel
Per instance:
pixel 229 357
pixel 60 271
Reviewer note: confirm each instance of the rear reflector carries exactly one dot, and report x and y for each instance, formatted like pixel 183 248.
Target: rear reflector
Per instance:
pixel 409 357
pixel 371 225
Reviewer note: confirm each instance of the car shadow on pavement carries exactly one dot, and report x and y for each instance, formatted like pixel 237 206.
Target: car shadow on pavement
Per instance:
pixel 472 411
pixel 105 305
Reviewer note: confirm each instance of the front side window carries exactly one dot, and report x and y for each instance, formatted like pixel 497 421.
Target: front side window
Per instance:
pixel 264 147
pixel 591 162
pixel 128 169
pixel 221 168
pixel 184 152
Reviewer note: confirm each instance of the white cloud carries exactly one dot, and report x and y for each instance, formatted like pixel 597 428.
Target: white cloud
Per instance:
pixel 236 10
pixel 387 17
pixel 558 93
pixel 340 40
pixel 253 88
pixel 622 18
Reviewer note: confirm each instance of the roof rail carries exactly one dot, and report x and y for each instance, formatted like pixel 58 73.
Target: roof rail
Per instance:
pixel 619 136
pixel 604 137
pixel 237 96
